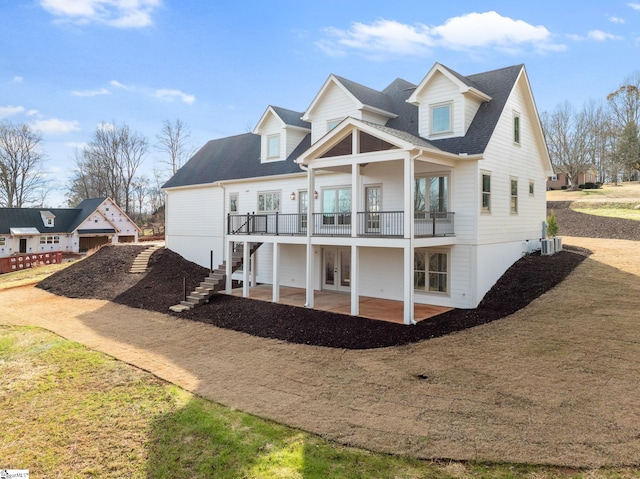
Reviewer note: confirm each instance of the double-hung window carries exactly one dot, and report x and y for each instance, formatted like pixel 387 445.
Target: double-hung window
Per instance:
pixel 441 118
pixel 486 193
pixel 273 146
pixel 431 271
pixel 514 196
pixel 268 201
pixel 233 203
pixel 3 241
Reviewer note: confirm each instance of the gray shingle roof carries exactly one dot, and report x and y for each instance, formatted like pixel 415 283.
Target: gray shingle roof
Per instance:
pixel 232 158
pixel 290 117
pixel 66 219
pixel 365 95
pixel 238 157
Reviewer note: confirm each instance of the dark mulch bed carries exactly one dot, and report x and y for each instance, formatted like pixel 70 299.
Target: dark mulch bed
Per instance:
pixel 572 223
pixel 105 275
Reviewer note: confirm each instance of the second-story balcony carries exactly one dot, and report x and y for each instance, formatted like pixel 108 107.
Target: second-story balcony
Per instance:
pixel 380 224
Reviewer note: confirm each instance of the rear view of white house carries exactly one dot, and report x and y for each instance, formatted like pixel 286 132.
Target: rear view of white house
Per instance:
pixel 421 193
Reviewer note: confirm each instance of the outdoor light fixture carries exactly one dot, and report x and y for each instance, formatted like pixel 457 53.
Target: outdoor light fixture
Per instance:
pixel 293 195
pixel 315 195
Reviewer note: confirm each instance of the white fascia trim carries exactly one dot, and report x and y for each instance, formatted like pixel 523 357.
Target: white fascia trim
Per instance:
pixel 379 111
pixel 263 118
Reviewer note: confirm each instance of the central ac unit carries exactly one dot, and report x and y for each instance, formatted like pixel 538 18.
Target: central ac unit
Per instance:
pixel 547 247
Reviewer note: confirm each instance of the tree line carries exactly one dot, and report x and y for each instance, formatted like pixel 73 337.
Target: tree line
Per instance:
pixel 602 135
pixel 108 165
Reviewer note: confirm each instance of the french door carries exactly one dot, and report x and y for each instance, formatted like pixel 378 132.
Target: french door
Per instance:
pixel 373 202
pixel 336 269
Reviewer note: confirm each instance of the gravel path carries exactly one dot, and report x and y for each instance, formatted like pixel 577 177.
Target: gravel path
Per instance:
pixel 554 383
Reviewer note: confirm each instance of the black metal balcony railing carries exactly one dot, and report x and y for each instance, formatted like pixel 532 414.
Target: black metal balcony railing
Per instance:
pixel 370 224
pixel 433 223
pixel 267 224
pixel 381 223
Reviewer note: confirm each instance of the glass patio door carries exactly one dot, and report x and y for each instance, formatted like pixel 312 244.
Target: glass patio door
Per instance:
pixel 373 197
pixel 336 269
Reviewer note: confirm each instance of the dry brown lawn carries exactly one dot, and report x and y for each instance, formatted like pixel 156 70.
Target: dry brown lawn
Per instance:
pixel 555 383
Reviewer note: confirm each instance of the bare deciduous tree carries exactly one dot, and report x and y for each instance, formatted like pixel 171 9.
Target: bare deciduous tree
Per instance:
pixel 173 141
pixel 108 164
pixel 572 139
pixel 22 181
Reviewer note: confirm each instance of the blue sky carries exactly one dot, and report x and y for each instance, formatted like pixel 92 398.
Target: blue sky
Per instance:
pixel 68 65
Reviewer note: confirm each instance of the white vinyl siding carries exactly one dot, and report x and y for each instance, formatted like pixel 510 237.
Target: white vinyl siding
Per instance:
pixel 334 104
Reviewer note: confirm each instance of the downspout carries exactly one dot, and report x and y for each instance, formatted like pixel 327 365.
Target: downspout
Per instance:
pixel 225 222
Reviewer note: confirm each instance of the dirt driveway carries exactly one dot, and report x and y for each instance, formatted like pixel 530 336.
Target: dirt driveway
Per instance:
pixel 554 383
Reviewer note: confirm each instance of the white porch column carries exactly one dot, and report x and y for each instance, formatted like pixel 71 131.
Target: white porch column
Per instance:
pixel 227 256
pixel 311 188
pixel 254 270
pixel 246 267
pixel 408 284
pixel 409 186
pixel 275 295
pixel 355 198
pixel 355 280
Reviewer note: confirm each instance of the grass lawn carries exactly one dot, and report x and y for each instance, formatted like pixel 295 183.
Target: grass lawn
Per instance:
pixel 623 192
pixel 29 276
pixel 67 411
pixel 629 211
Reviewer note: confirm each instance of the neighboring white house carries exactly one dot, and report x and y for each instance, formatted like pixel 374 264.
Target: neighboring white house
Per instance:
pixel 422 193
pixel 93 222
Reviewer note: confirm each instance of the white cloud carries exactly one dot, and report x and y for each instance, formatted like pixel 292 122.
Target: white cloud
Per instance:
pixel 117 84
pixel 114 13
pixel 6 111
pixel 601 36
pixel 635 6
pixel 54 125
pixel 99 91
pixel 595 35
pixel 17 79
pixel 618 20
pixel 473 31
pixel 170 95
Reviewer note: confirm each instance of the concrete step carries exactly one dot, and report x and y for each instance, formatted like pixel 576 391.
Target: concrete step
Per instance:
pixel 179 308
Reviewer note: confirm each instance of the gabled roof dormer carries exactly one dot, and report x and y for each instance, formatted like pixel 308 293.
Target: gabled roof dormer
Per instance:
pixel 447 103
pixel 281 131
pixel 48 218
pixel 340 98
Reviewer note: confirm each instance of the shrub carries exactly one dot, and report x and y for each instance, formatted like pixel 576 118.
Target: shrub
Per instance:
pixel 552 224
pixel 564 187
pixel 590 186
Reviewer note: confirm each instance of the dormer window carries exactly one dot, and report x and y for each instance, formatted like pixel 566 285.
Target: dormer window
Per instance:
pixel 273 146
pixel 441 118
pixel 331 124
pixel 48 219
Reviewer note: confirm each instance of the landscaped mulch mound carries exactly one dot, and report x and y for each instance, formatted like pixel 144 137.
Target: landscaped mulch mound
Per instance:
pixel 572 223
pixel 105 275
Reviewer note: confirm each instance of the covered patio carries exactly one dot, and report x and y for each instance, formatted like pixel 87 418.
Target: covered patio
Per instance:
pixel 372 308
